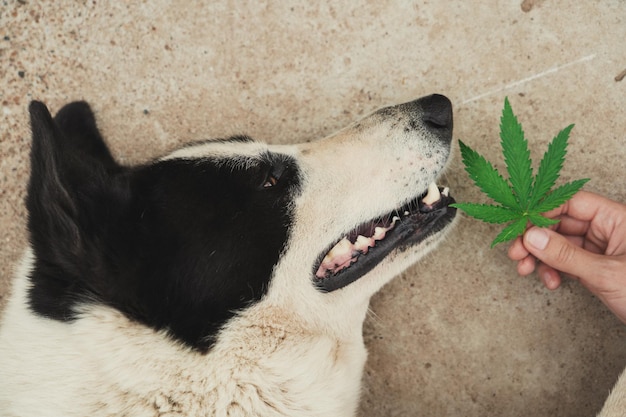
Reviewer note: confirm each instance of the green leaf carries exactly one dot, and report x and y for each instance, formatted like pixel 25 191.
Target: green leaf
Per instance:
pixel 522 198
pixel 550 165
pixel 486 177
pixel 510 232
pixel 560 195
pixel 488 213
pixel 516 155
pixel 541 221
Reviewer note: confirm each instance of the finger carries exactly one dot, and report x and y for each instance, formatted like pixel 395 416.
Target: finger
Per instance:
pixel 583 206
pixel 571 226
pixel 586 243
pixel 526 266
pixel 517 251
pixel 550 278
pixel 560 254
pixel 592 247
pixel 604 217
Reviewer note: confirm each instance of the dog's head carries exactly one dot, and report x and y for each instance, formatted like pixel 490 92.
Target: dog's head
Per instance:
pixel 185 242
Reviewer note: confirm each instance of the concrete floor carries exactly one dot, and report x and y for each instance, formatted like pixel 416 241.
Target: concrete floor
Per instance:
pixel 459 334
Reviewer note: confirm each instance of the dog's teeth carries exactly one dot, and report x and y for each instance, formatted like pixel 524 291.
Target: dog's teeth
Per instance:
pixel 363 243
pixel 339 253
pixel 345 253
pixel 406 213
pixel 342 247
pixel 379 233
pixel 446 191
pixel 335 259
pixel 433 194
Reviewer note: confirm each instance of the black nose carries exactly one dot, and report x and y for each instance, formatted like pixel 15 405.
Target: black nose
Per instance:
pixel 437 111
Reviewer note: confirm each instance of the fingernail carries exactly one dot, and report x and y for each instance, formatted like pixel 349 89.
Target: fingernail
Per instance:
pixel 537 238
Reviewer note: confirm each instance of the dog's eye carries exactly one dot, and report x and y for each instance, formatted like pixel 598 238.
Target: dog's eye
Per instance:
pixel 270 181
pixel 274 171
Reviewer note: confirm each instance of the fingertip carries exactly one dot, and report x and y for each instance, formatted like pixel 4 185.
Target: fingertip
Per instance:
pixel 560 254
pixel 526 266
pixel 517 251
pixel 550 278
pixel 537 238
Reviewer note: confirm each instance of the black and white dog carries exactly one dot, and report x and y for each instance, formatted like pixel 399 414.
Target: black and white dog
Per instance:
pixel 227 278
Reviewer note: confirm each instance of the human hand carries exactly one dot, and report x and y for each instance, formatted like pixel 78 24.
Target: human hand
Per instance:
pixel 588 244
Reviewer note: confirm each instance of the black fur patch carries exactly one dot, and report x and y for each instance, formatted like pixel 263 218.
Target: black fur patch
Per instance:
pixel 178 245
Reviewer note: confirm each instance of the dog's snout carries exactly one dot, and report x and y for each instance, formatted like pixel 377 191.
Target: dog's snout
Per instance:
pixel 437 111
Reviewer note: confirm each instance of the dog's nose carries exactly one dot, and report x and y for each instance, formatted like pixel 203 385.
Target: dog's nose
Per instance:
pixel 437 112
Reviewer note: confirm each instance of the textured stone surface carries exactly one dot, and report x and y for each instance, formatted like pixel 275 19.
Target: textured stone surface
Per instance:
pixel 458 334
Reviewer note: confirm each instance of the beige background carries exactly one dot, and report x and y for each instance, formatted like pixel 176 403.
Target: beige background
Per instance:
pixel 459 334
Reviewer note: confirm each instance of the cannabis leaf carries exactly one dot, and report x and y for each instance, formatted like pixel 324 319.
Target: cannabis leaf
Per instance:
pixel 523 197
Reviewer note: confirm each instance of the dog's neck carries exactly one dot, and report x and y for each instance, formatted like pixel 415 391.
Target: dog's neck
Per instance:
pixel 272 360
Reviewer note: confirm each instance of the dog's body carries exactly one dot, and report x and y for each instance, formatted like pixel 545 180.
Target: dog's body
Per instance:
pixel 226 278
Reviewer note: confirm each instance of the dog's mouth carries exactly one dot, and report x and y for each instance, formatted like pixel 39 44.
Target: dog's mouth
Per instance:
pixel 359 251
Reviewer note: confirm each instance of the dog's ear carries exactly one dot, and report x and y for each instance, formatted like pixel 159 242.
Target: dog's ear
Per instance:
pixel 78 124
pixel 52 210
pixel 70 183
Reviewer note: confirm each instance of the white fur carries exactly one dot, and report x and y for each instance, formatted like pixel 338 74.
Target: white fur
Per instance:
pixel 265 364
pixel 297 352
pixel 615 405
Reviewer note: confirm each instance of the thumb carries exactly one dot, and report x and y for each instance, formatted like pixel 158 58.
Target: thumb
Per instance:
pixel 557 252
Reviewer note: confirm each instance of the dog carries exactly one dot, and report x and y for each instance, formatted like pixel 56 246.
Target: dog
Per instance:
pixel 226 278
